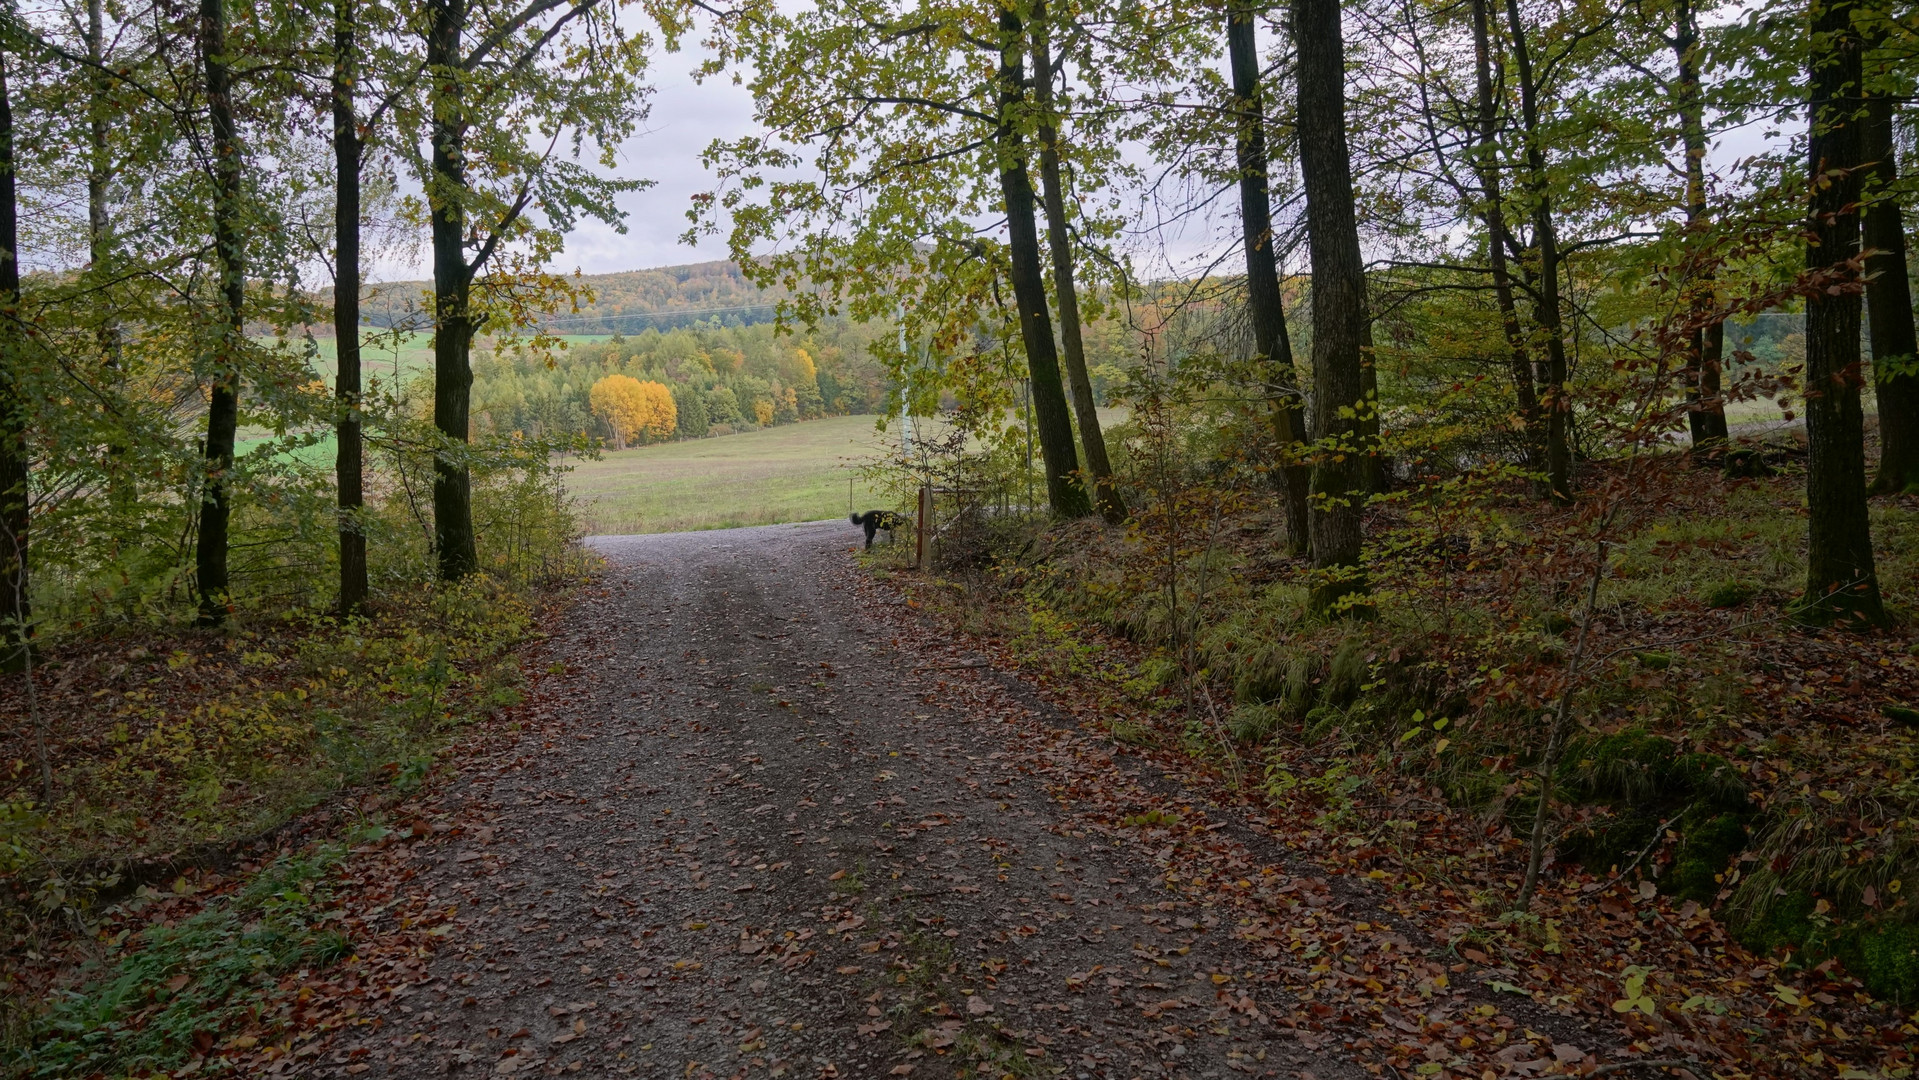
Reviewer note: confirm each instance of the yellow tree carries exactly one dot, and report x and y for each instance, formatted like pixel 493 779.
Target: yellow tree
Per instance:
pixel 658 415
pixel 633 409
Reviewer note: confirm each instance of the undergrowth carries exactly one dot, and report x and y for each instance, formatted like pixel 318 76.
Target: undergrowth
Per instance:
pixel 156 755
pixel 1723 754
pixel 166 994
pixel 185 743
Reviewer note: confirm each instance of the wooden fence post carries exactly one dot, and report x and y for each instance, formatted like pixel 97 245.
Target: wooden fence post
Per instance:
pixel 922 536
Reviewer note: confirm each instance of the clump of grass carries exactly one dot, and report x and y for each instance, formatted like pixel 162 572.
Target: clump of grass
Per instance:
pixel 1728 593
pixel 171 993
pixel 851 882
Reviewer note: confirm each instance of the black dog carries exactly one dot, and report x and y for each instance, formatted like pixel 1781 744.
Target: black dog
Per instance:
pixel 875 520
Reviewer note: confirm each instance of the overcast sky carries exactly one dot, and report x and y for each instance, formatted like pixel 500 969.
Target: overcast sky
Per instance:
pixel 686 117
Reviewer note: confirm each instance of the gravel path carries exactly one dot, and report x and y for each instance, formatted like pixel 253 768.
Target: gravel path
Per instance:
pixel 775 833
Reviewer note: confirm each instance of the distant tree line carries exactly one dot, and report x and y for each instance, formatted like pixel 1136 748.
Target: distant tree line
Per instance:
pixel 722 378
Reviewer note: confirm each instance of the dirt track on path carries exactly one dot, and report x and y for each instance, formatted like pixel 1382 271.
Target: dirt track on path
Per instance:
pixel 776 829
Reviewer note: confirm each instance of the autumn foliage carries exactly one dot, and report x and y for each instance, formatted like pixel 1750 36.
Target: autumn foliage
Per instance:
pixel 634 410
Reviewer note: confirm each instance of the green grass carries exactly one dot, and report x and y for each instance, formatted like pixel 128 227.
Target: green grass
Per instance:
pixel 793 472
pixel 381 354
pixel 151 1002
pixel 383 361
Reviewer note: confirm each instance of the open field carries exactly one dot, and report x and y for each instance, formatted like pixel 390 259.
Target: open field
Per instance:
pixel 381 354
pixel 794 472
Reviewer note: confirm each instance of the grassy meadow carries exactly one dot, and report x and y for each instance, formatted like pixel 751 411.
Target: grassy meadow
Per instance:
pixel 793 472
pixel 383 354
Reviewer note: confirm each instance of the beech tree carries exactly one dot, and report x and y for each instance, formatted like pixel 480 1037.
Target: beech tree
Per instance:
pixel 228 334
pixel 1272 345
pixel 16 594
pixel 1840 574
pixel 1063 491
pixel 1707 345
pixel 506 85
pixel 1895 345
pixel 1339 303
pixel 349 147
pixel 921 136
pixel 1065 289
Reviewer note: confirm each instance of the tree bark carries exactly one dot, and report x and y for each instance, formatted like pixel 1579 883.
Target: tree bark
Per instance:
pixel 1840 577
pixel 1889 302
pixel 1498 240
pixel 1705 347
pixel 122 490
pixel 1265 304
pixel 223 408
pixel 16 600
pixel 452 293
pixel 348 451
pixel 1339 304
pixel 1065 292
pixel 1556 402
pixel 1063 490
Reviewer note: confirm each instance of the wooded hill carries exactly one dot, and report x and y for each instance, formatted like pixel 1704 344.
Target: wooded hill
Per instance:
pixel 662 298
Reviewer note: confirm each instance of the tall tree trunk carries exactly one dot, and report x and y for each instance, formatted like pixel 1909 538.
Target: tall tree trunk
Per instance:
pixel 99 164
pixel 223 409
pixel 1840 578
pixel 122 491
pixel 347 462
pixel 1499 240
pixel 1265 304
pixel 1065 293
pixel 1557 403
pixel 452 294
pixel 1339 302
pixel 1895 368
pixel 16 602
pixel 1706 345
pixel 1063 489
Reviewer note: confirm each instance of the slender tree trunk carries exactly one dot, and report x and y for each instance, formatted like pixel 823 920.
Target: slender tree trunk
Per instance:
pixel 1265 304
pixel 1499 240
pixel 1889 301
pixel 347 463
pixel 1706 346
pixel 122 491
pixel 1840 577
pixel 452 293
pixel 1065 293
pixel 16 601
pixel 223 409
pixel 1557 403
pixel 99 164
pixel 1339 302
pixel 1063 490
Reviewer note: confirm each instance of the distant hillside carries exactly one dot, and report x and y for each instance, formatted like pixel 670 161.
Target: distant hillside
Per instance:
pixel 666 298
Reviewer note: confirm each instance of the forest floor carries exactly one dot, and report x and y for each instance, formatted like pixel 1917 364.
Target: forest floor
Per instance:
pixel 763 816
pixel 772 821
